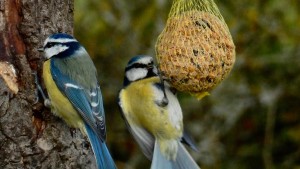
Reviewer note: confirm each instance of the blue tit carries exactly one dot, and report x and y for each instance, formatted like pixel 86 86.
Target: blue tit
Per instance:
pixel 153 116
pixel 70 79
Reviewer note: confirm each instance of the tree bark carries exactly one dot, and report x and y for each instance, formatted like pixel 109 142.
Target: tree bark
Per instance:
pixel 30 136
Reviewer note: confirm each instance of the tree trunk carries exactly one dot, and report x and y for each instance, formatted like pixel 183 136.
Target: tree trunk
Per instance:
pixel 30 136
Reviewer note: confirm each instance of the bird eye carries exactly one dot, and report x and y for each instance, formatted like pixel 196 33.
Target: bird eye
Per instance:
pixel 49 45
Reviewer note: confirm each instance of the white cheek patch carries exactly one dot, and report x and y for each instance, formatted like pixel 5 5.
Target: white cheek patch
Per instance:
pixel 136 73
pixel 49 52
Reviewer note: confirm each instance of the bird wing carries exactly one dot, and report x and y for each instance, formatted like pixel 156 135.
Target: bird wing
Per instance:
pixel 88 102
pixel 143 138
pixel 141 135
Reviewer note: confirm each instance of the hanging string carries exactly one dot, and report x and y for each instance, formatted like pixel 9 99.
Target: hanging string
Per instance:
pixel 180 6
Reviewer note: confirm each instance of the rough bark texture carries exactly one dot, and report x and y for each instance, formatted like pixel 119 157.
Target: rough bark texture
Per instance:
pixel 30 136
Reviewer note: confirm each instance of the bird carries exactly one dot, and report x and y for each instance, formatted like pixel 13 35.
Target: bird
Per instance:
pixel 70 78
pixel 153 115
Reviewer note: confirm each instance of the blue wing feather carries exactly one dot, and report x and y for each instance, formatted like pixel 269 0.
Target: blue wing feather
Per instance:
pixel 81 99
pixel 89 104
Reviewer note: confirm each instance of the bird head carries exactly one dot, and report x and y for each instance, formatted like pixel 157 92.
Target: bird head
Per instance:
pixel 60 45
pixel 138 68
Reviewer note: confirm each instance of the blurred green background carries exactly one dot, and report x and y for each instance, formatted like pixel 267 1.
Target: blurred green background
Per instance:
pixel 251 120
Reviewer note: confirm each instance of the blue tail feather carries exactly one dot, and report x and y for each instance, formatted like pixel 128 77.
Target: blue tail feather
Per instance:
pixel 102 155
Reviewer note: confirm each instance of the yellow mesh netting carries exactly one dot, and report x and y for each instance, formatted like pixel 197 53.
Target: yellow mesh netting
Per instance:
pixel 195 51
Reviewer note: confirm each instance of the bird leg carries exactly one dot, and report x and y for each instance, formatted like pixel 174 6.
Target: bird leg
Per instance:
pixel 165 99
pixel 47 102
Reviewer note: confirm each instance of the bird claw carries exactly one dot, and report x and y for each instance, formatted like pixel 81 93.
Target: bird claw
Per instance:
pixel 165 100
pixel 47 102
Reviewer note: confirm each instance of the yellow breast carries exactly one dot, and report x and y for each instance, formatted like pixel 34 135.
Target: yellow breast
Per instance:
pixel 139 107
pixel 60 105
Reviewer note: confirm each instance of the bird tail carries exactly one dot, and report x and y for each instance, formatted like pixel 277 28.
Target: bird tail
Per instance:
pixel 183 159
pixel 102 155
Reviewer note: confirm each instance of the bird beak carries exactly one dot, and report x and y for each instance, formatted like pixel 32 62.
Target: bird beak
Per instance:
pixel 41 49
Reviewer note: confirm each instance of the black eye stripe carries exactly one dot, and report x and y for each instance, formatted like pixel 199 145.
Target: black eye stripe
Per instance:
pixel 50 44
pixel 138 65
pixel 68 44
